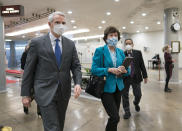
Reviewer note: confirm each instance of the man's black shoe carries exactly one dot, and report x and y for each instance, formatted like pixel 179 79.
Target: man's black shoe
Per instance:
pixel 137 107
pixel 170 89
pixel 127 115
pixel 167 90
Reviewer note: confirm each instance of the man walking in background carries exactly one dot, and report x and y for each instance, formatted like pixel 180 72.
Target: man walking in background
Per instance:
pixel 138 73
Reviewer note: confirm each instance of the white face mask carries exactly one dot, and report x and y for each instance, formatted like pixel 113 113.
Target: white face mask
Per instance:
pixel 59 29
pixel 128 47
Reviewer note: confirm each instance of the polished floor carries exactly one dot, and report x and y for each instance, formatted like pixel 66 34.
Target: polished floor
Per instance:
pixel 159 111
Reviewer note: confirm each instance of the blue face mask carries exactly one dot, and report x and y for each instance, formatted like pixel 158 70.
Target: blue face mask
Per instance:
pixel 112 41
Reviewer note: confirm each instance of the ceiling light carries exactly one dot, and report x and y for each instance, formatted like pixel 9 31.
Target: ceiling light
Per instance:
pixel 146 27
pixel 144 14
pixel 74 27
pixel 76 31
pixel 28 30
pixel 158 22
pixel 72 21
pixel 88 37
pixel 8 40
pixel 123 27
pixel 103 22
pixel 100 27
pixel 108 13
pixel 39 28
pixel 23 36
pixel 138 31
pixel 116 0
pixel 69 12
pixel 132 22
pixel 37 34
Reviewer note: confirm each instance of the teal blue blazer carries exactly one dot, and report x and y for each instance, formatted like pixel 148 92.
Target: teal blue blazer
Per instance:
pixel 98 69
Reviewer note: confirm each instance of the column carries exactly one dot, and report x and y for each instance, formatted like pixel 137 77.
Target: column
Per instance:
pixel 170 18
pixel 12 61
pixel 2 58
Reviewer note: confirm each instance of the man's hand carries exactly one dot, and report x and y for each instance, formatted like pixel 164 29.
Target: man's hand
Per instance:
pixel 26 101
pixel 77 91
pixel 145 80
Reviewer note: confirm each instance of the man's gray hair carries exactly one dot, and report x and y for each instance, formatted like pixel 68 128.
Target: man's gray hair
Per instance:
pixel 51 16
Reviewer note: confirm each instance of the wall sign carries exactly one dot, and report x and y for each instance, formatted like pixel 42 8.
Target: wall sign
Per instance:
pixel 12 10
pixel 175 45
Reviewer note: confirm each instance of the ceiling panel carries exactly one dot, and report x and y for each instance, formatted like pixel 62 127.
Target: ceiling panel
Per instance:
pixel 90 13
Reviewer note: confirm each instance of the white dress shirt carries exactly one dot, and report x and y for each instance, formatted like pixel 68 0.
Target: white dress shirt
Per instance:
pixel 53 42
pixel 113 56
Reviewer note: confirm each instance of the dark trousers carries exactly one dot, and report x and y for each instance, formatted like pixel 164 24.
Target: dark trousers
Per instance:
pixel 111 103
pixel 125 95
pixel 53 115
pixel 168 76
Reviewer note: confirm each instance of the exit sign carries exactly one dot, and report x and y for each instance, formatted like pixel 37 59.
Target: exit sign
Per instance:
pixel 12 10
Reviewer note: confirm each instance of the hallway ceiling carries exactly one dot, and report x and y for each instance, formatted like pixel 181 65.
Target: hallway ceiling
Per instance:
pixel 90 14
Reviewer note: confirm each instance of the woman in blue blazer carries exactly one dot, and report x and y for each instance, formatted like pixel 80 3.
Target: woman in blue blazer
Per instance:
pixel 112 69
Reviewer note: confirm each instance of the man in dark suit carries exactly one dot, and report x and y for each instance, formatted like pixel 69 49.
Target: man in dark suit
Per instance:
pixel 49 62
pixel 138 73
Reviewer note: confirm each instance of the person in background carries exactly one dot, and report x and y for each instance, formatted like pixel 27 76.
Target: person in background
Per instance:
pixel 51 59
pixel 156 61
pixel 24 56
pixel 168 66
pixel 23 61
pixel 5 59
pixel 138 73
pixel 111 68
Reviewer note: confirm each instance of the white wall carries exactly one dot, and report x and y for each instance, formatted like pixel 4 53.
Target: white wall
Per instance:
pixel 87 48
pixel 153 40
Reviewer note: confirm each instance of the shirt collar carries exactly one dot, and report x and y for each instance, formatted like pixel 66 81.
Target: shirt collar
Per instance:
pixel 109 49
pixel 53 38
pixel 130 52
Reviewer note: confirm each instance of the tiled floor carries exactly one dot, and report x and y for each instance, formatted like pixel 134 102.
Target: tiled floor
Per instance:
pixel 159 111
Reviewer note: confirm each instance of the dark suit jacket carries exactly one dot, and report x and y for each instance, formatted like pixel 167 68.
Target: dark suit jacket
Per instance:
pixel 23 59
pixel 42 73
pixel 139 66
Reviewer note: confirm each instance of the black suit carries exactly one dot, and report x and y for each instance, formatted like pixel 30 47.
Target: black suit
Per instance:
pixel 23 59
pixel 52 84
pixel 135 81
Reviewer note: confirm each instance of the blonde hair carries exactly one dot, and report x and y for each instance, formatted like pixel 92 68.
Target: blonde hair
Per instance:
pixel 165 48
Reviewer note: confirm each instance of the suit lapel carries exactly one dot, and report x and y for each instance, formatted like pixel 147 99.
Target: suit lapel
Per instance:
pixel 63 51
pixel 48 45
pixel 134 55
pixel 107 56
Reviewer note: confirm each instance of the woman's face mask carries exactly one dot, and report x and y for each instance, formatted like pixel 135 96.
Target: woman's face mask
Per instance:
pixel 112 41
pixel 59 29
